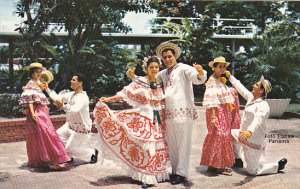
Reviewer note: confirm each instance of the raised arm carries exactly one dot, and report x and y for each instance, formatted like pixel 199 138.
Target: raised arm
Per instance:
pixel 130 73
pixel 59 99
pixel 239 86
pixel 52 94
pixel 111 99
pixel 195 74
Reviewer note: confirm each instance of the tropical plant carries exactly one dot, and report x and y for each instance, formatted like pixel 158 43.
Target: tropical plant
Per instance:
pixel 9 105
pixel 83 48
pixel 276 55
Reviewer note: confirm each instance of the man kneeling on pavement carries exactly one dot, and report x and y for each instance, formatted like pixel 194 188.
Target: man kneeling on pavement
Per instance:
pixel 76 132
pixel 251 135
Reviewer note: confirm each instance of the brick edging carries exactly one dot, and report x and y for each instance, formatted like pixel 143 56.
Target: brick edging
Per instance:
pixel 13 130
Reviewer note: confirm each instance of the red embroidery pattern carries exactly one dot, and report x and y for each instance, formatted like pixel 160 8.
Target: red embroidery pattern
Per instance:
pixel 127 142
pixel 214 92
pixel 218 96
pixel 136 97
pixel 136 86
pixel 25 100
pixel 79 130
pixel 217 148
pixel 252 145
pixel 168 77
pixel 33 87
pixel 181 112
pixel 235 113
pixel 33 98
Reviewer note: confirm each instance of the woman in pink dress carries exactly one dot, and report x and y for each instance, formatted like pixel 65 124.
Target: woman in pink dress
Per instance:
pixel 44 147
pixel 217 152
pixel 135 137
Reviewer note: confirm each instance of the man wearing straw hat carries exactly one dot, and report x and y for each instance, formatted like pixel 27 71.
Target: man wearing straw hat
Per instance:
pixel 76 132
pixel 253 127
pixel 178 80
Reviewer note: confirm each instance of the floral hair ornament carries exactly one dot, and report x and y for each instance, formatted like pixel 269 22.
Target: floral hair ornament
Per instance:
pixel 266 85
pixel 144 65
pixel 223 80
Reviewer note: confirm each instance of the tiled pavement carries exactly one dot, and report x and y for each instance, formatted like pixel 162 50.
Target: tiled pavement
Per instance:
pixel 14 173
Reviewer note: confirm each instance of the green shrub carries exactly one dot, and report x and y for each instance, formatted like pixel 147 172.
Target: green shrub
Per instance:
pixel 10 108
pixel 9 105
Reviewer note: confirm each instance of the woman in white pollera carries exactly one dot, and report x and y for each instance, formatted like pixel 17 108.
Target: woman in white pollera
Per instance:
pixel 135 137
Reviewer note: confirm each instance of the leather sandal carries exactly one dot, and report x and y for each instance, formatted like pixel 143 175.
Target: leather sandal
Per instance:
pixel 225 171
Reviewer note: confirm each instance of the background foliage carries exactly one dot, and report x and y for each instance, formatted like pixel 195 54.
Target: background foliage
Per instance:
pixel 83 49
pixel 274 53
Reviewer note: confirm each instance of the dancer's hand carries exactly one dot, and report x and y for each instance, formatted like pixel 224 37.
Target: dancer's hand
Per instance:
pixel 213 121
pixel 130 73
pixel 34 116
pixel 45 85
pixel 199 69
pixel 104 99
pixel 228 74
pixel 245 135
pixel 58 103
pixel 94 129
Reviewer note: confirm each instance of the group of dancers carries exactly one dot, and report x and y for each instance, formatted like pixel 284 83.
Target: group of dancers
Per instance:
pixel 158 127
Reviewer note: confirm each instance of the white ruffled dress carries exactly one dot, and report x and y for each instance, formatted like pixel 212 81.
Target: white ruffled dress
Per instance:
pixel 134 138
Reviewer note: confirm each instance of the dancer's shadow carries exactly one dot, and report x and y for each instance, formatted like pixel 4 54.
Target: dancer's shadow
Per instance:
pixel 4 176
pixel 244 181
pixel 188 184
pixel 248 177
pixel 203 170
pixel 114 180
pixel 46 169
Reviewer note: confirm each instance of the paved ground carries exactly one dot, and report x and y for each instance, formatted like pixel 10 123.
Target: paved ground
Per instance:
pixel 15 174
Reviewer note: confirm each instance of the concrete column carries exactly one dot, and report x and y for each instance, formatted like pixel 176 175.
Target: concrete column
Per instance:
pixel 11 66
pixel 233 54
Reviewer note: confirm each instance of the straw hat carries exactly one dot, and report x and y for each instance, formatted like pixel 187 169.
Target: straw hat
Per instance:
pixel 35 65
pixel 49 76
pixel 266 84
pixel 219 59
pixel 168 45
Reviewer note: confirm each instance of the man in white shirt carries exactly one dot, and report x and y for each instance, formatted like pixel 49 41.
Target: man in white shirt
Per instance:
pixel 253 127
pixel 76 132
pixel 178 80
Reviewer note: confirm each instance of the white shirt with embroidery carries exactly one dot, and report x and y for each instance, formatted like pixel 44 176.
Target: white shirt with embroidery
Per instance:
pixel 255 114
pixel 178 87
pixel 76 107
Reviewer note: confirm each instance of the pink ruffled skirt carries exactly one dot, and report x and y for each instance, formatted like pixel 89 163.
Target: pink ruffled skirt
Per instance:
pixel 44 146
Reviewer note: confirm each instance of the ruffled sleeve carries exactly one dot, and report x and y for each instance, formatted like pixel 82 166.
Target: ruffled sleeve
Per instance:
pixel 136 93
pixel 32 94
pixel 216 93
